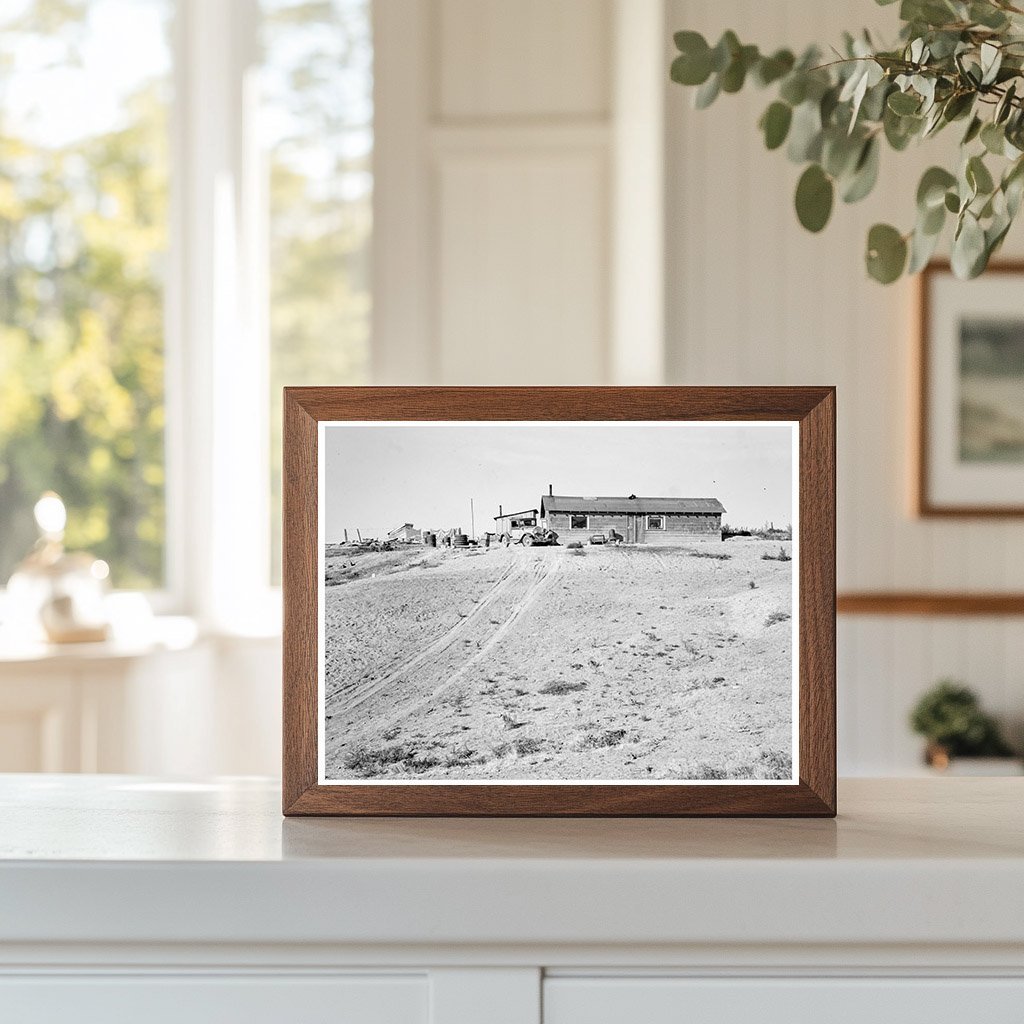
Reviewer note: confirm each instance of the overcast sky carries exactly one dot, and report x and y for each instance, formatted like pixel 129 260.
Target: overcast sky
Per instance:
pixel 378 476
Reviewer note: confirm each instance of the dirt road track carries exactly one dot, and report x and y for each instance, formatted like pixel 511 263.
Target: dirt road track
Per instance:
pixel 440 659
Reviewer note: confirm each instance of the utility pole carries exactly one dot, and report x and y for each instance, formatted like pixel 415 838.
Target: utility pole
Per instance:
pixel 472 521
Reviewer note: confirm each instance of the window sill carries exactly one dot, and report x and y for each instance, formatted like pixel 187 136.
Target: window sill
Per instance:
pixel 161 633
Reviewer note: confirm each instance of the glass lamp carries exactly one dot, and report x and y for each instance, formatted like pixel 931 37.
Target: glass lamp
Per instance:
pixel 55 595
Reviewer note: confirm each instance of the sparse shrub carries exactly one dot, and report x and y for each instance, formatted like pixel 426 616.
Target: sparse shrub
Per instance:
pixel 527 745
pixel 776 765
pixel 776 617
pixel 782 556
pixel 369 763
pixel 608 738
pixel 704 683
pixel 709 772
pixel 574 545
pixel 461 757
pixel 560 687
pixel 752 585
pixel 719 556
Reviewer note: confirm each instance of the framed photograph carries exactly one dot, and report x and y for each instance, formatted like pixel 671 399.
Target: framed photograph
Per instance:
pixel 559 601
pixel 970 450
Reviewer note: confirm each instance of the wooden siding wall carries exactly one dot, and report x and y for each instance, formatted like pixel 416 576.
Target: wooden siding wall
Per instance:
pixel 678 528
pixel 754 299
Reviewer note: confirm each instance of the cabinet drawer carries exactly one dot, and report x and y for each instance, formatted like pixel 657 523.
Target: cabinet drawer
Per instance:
pixel 201 999
pixel 650 1000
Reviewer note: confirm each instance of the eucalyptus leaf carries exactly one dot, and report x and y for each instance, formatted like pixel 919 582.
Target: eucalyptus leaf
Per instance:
pixel 840 152
pixel 922 247
pixel 991 60
pixel 735 74
pixel 794 88
pixel 805 133
pixel 865 174
pixel 978 176
pixel 931 190
pixel 775 124
pixel 993 138
pixel 932 221
pixel 771 69
pixel 904 103
pixel 724 51
pixel 814 195
pixel 968 248
pixel 707 93
pixel 973 130
pixel 886 253
pixel 1005 105
pixel 957 106
pixel 987 15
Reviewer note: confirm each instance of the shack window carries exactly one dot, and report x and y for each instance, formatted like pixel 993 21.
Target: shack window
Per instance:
pixel 655 522
pixel 523 522
pixel 577 522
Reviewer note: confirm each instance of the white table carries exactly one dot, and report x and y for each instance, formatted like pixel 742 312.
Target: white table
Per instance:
pixel 125 898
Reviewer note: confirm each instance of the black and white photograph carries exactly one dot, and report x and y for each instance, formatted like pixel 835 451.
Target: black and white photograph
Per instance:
pixel 568 602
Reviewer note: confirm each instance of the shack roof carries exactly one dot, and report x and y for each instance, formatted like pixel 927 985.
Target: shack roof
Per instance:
pixel 641 506
pixel 525 511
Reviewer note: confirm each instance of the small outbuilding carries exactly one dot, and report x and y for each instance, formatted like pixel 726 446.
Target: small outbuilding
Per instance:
pixel 405 534
pixel 513 524
pixel 636 520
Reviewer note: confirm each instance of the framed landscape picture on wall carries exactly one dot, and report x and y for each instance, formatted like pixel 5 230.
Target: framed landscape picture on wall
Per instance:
pixel 590 601
pixel 970 450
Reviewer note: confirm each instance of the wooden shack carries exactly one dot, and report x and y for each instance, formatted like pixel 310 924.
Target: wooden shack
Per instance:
pixel 637 520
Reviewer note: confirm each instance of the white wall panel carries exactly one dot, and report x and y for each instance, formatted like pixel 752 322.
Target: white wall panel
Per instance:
pixel 754 299
pixel 530 58
pixel 522 285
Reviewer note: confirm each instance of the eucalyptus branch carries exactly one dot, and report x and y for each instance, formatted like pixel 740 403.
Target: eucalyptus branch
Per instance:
pixel 955 61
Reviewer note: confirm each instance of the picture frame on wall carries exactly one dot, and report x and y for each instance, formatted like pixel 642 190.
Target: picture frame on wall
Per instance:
pixel 559 601
pixel 970 384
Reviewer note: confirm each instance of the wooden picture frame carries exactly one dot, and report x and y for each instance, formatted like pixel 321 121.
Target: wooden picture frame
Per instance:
pixel 811 791
pixel 928 372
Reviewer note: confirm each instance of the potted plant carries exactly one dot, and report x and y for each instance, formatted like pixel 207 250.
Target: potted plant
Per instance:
pixel 950 718
pixel 956 62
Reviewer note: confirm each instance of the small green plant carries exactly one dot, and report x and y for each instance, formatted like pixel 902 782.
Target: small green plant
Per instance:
pixel 955 61
pixel 950 717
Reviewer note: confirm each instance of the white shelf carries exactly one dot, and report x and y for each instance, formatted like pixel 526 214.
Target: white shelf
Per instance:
pixel 120 859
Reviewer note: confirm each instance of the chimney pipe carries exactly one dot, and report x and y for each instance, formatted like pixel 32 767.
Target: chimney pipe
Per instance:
pixel 499 511
pixel 551 490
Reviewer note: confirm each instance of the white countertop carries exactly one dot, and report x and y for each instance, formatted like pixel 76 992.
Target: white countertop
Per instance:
pixel 121 859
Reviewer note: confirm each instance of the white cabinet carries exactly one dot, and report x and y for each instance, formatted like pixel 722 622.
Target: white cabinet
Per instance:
pixel 126 899
pixel 652 1000
pixel 200 999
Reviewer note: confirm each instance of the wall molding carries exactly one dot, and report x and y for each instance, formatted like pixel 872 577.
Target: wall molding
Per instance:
pixel 928 603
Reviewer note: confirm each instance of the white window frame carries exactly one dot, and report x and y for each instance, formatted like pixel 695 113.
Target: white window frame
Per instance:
pixel 218 514
pixel 656 529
